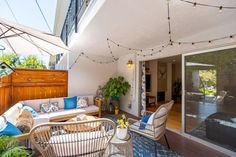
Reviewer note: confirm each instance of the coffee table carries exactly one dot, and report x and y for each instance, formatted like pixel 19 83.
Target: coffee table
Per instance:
pixel 82 127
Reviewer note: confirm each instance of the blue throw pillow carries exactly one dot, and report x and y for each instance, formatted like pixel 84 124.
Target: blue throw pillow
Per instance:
pixel 70 103
pixel 144 120
pixel 30 109
pixel 10 130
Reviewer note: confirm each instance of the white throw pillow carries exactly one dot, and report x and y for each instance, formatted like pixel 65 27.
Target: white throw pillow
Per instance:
pixel 160 112
pixel 3 124
pixel 82 102
pixel 150 120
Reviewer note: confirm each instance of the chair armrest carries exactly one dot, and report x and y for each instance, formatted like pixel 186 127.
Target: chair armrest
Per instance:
pixel 23 137
pixel 132 121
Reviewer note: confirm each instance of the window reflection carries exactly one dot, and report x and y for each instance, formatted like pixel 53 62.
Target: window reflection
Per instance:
pixel 210 105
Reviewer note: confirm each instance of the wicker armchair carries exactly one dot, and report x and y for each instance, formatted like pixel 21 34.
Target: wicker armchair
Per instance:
pixel 158 127
pixel 85 138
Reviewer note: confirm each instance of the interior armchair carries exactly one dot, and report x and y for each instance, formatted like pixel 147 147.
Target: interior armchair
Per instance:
pixel 155 127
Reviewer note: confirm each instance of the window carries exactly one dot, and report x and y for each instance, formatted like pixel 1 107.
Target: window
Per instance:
pixel 210 98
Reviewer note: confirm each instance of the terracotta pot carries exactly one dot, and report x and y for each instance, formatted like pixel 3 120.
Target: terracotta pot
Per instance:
pixel 121 133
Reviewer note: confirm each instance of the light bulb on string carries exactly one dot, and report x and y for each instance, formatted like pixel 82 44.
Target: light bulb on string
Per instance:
pixel 220 9
pixel 194 5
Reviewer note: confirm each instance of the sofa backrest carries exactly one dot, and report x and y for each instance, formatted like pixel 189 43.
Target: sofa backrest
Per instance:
pixel 36 103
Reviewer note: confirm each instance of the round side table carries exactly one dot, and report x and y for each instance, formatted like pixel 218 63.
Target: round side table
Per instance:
pixel 119 147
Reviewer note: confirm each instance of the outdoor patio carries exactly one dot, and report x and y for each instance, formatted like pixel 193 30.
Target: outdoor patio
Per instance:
pixel 117 78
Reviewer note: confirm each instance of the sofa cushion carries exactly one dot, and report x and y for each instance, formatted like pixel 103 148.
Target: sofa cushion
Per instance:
pixel 12 113
pixel 10 130
pixel 82 102
pixel 42 118
pixel 80 143
pixel 31 110
pixel 60 102
pixel 72 112
pixel 35 104
pixel 90 99
pixel 70 103
pixel 46 108
pixel 24 121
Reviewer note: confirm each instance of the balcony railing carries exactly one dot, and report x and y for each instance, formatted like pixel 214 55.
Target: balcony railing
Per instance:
pixel 75 12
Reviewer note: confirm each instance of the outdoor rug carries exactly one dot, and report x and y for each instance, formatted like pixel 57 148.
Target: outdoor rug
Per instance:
pixel 145 147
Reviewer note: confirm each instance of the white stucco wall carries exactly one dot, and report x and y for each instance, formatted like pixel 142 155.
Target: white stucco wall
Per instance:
pixel 85 76
pixel 130 75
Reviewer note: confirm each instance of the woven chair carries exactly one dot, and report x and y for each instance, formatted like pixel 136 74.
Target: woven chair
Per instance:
pixel 158 127
pixel 84 138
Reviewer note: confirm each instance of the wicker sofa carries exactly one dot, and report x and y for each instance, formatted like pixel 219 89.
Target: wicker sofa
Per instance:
pixel 60 115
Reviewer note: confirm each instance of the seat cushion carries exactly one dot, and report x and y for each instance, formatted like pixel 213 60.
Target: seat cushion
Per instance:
pixel 79 143
pixel 42 118
pixel 72 112
pixel 148 131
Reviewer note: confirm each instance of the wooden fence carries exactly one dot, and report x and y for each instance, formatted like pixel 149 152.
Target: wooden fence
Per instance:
pixel 26 84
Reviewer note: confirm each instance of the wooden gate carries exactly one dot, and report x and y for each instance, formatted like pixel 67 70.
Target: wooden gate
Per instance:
pixel 26 84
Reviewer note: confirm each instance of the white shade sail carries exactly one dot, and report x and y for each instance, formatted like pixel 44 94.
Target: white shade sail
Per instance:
pixel 25 40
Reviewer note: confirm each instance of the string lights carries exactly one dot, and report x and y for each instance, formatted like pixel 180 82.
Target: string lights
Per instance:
pixel 220 8
pixel 82 54
pixel 205 41
pixel 171 42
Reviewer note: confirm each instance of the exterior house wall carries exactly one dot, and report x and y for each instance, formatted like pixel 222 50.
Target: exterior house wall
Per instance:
pixel 85 76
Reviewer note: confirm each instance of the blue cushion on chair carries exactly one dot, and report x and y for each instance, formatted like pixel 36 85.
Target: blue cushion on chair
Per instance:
pixel 30 109
pixel 10 130
pixel 70 103
pixel 144 120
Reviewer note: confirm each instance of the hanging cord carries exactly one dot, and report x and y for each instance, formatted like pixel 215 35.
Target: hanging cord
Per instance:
pixel 43 16
pixel 8 5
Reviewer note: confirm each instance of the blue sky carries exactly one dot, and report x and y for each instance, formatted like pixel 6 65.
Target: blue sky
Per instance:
pixel 27 13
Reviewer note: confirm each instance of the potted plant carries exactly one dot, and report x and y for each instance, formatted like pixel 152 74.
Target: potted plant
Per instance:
pixel 115 88
pixel 122 128
pixel 10 146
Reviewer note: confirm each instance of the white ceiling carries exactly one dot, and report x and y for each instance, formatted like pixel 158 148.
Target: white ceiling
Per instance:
pixel 143 24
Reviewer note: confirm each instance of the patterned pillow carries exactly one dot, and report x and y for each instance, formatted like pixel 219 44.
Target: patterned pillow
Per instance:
pixel 82 102
pixel 47 108
pixel 24 121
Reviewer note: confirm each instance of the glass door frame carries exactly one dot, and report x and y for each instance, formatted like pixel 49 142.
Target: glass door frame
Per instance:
pixel 211 145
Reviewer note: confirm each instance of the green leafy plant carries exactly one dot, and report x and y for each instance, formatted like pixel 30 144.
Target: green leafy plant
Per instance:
pixel 17 61
pixel 10 147
pixel 116 87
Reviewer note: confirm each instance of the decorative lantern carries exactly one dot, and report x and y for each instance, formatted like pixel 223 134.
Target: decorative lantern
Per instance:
pixel 130 64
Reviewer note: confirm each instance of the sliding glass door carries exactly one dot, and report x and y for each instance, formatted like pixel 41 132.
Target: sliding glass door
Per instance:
pixel 210 97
